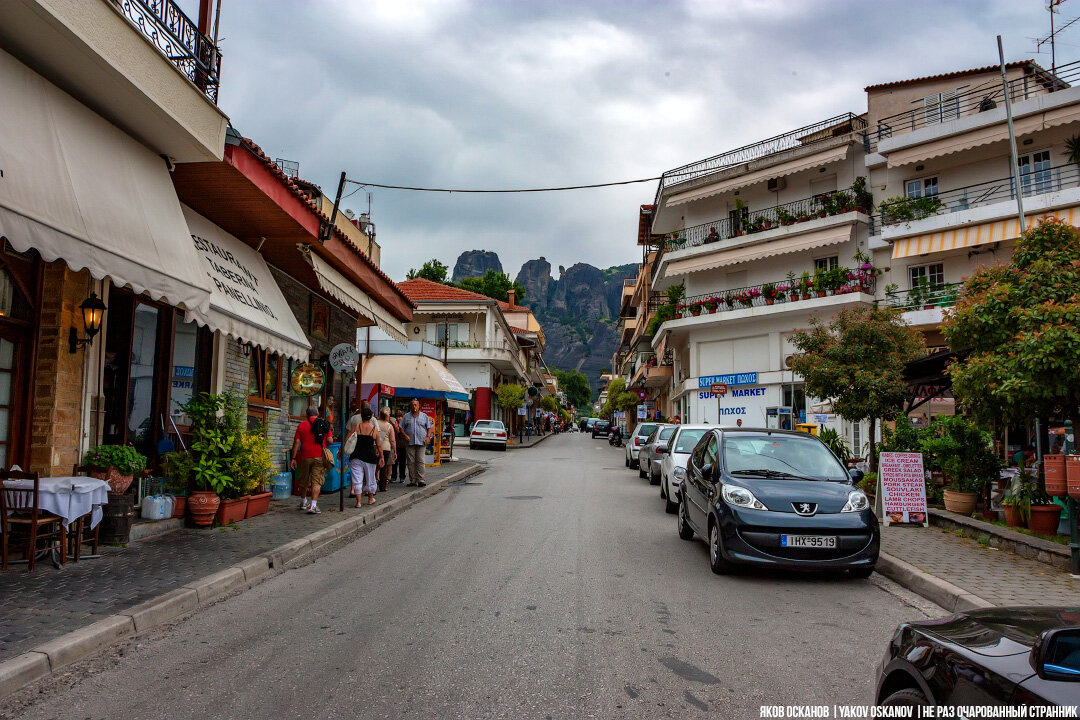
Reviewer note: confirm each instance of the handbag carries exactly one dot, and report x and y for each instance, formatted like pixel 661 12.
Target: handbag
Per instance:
pixel 328 457
pixel 350 444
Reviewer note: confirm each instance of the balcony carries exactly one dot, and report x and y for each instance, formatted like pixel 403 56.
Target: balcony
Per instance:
pixel 178 39
pixel 504 355
pixel 648 370
pixel 923 305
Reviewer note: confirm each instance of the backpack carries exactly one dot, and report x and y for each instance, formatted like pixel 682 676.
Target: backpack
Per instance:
pixel 319 428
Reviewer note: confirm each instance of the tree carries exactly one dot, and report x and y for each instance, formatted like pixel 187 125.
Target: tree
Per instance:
pixel 857 361
pixel 510 396
pixel 495 285
pixel 432 270
pixel 619 398
pixel 548 403
pixel 576 386
pixel 1017 330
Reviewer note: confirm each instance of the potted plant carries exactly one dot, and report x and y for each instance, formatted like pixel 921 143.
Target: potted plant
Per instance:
pixel 768 291
pixel 251 467
pixel 784 217
pixel 864 199
pixel 729 300
pixel 696 307
pixel 179 467
pixel 745 299
pixel 1017 502
pixel 782 292
pixel 819 282
pixel 216 421
pixel 115 464
pixel 962 453
pixel 712 303
pixel 805 285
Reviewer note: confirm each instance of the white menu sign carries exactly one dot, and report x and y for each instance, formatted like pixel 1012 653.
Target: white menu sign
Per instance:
pixel 902 483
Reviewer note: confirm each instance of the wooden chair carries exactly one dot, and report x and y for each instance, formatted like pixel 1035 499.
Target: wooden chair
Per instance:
pixel 26 523
pixel 82 533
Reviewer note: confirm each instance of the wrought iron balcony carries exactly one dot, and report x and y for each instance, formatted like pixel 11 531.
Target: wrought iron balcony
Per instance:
pixel 807 136
pixel 985 96
pixel 179 40
pixel 780 292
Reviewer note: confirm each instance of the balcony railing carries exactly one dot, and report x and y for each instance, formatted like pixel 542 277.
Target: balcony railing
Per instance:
pixel 179 40
pixel 985 96
pixel 923 297
pixel 824 205
pixel 802 137
pixel 476 345
pixel 774 293
pixel 1035 182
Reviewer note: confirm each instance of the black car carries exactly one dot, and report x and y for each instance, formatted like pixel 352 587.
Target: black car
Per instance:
pixel 998 656
pixel 601 428
pixel 776 498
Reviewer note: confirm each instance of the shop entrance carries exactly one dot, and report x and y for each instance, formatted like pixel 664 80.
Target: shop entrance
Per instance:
pixel 19 282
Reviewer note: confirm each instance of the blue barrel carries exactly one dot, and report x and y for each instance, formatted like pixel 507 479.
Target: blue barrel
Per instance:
pixel 332 480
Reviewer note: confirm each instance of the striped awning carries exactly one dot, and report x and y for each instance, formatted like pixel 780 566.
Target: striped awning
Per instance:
pixel 974 235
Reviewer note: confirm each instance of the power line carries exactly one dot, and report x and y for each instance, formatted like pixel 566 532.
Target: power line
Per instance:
pixel 516 190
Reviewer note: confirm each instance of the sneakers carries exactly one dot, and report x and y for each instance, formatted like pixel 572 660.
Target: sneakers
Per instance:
pixel 314 510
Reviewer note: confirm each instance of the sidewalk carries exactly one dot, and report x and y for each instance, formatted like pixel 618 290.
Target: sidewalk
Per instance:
pixel 48 603
pixel 528 441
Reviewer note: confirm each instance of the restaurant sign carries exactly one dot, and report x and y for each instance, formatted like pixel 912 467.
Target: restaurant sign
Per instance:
pixel 307 380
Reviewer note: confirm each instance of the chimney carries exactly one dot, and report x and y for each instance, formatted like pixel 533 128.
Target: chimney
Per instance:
pixel 511 295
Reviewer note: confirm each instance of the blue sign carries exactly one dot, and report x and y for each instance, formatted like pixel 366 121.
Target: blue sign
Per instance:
pixel 749 378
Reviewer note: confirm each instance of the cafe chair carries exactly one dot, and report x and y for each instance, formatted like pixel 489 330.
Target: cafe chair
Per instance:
pixel 22 523
pixel 81 533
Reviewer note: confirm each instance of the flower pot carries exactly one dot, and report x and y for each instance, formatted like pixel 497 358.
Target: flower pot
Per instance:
pixel 202 505
pixel 821 293
pixel 770 301
pixel 179 506
pixel 1056 481
pixel 1044 519
pixel 230 511
pixel 1072 472
pixel 258 504
pixel 961 503
pixel 118 482
pixel 1014 517
pixel 806 296
pixel 696 312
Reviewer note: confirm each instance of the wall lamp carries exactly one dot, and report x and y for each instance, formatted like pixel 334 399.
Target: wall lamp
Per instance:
pixel 245 347
pixel 93 312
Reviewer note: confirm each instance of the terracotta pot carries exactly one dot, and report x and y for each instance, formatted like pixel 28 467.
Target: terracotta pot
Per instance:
pixel 806 296
pixel 1056 481
pixel 1013 516
pixel 1044 519
pixel 696 312
pixel 179 505
pixel 821 293
pixel 258 504
pixel 118 483
pixel 1072 472
pixel 202 505
pixel 770 301
pixel 961 503
pixel 231 511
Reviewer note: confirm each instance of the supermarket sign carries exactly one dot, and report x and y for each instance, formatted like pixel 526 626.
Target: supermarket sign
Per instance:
pixel 707 381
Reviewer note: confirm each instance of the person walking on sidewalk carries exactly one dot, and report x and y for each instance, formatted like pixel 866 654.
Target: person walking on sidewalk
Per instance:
pixel 366 459
pixel 387 446
pixel 311 437
pixel 419 429
pixel 401 442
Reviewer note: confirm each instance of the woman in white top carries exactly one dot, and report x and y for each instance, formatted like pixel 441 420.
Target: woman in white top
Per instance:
pixel 388 445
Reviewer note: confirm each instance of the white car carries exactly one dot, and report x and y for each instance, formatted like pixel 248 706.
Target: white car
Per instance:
pixel 673 464
pixel 488 432
pixel 636 440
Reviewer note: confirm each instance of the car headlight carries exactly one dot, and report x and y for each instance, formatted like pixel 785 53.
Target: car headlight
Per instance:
pixel 680 473
pixel 856 501
pixel 741 497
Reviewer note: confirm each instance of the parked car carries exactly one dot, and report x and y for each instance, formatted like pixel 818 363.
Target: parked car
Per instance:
pixel 776 498
pixel 601 428
pixel 589 423
pixel 488 432
pixel 652 451
pixel 673 462
pixel 635 440
pixel 998 656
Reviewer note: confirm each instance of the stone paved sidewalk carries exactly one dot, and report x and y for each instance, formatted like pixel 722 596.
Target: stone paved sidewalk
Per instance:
pixel 37 607
pixel 996 576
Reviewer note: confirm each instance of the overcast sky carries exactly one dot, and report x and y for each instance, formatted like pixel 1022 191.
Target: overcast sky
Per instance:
pixel 525 94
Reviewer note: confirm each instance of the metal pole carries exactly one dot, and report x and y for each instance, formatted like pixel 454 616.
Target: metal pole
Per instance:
pixel 337 203
pixel 1074 537
pixel 341 453
pixel 1012 140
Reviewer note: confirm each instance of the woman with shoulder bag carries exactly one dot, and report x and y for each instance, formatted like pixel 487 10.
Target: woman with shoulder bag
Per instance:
pixel 387 445
pixel 365 458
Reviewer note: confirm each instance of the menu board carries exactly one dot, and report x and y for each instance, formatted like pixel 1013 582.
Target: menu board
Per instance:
pixel 902 481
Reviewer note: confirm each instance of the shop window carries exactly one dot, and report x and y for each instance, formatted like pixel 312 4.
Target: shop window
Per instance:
pixel 264 377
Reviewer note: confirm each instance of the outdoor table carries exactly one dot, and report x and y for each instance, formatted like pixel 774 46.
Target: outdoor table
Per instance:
pixel 69 498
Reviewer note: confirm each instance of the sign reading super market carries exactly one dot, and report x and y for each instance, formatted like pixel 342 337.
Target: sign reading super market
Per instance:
pixel 707 381
pixel 742 400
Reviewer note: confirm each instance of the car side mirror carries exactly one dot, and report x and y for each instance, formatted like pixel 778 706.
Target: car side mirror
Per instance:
pixel 707 471
pixel 856 475
pixel 1056 655
pixel 661 449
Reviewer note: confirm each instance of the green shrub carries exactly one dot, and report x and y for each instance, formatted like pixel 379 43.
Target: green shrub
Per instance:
pixel 126 460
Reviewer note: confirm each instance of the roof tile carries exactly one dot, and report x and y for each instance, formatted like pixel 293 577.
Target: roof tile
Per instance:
pixel 955 73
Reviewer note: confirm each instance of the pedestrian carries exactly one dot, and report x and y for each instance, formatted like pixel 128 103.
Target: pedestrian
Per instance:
pixel 365 460
pixel 419 429
pixel 311 437
pixel 387 445
pixel 401 442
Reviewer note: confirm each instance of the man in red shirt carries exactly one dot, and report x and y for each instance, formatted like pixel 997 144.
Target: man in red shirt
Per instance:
pixel 307 457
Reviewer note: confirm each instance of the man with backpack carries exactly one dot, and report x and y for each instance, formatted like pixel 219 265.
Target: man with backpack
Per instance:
pixel 310 440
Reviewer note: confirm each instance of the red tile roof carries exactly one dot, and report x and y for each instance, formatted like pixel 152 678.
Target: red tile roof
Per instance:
pixel 507 307
pixel 1026 64
pixel 420 290
pixel 519 331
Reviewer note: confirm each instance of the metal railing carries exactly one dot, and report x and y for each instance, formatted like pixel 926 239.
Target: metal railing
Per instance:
pixel 784 293
pixel 1035 182
pixel 985 96
pixel 923 296
pixel 806 136
pixel 475 345
pixel 179 40
pixel 752 221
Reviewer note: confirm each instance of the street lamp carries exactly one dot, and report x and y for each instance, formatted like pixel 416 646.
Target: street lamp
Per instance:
pixel 93 312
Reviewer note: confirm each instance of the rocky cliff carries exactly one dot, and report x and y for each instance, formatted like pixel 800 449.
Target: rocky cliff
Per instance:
pixel 474 263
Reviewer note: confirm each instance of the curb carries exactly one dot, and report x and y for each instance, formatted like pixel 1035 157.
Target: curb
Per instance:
pixel 515 446
pixel 934 589
pixel 40 662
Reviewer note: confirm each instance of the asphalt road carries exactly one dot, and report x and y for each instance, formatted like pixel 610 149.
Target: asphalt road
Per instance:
pixel 551 586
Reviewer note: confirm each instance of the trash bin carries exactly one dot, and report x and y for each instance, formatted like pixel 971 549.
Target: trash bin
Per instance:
pixel 332 479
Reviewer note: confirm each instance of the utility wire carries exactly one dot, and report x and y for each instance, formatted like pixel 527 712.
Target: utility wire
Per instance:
pixel 518 190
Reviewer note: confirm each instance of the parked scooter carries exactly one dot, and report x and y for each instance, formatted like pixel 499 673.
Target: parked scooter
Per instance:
pixel 615 438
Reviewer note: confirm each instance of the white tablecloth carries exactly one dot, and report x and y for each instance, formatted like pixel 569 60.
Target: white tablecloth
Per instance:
pixel 68 497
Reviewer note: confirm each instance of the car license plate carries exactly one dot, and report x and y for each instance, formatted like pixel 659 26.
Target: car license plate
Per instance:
pixel 808 541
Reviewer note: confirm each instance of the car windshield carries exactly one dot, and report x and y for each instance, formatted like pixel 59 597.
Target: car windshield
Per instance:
pixel 687 440
pixel 489 425
pixel 644 429
pixel 781 456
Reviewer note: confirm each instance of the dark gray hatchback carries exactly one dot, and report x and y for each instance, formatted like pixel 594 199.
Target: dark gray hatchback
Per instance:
pixel 776 498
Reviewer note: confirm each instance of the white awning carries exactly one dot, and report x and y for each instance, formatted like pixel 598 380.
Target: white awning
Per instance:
pixel 416 376
pixel 761 250
pixel 245 303
pixel 343 290
pixel 77 188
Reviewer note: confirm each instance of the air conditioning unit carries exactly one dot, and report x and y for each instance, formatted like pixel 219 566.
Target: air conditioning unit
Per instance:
pixel 776 184
pixel 788 360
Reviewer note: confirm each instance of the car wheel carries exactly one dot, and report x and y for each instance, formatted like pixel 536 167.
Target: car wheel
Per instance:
pixel 626 461
pixel 503 448
pixel 719 565
pixel 663 494
pixel 862 573
pixel 908 697
pixel 640 470
pixel 471 446
pixel 685 531
pixel 653 479
pixel 671 505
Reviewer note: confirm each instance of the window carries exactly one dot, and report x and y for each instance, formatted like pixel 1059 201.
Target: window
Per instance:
pixel 1035 173
pixel 264 377
pixel 856 438
pixel 827 263
pixel 934 274
pixel 440 333
pixel 941 107
pixel 921 187
pixel 710 455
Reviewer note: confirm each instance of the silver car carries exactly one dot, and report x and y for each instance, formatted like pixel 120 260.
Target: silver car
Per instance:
pixel 673 462
pixel 635 440
pixel 649 457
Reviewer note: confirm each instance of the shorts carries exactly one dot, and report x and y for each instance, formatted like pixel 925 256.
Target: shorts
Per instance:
pixel 309 471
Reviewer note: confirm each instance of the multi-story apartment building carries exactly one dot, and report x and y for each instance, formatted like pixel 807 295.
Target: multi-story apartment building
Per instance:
pixel 763 238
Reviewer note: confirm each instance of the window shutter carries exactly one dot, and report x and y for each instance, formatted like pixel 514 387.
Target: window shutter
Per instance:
pixel 950 105
pixel 463 332
pixel 931 109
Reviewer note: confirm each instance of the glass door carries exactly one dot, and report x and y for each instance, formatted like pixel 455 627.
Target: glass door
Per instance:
pixel 1035 173
pixel 8 355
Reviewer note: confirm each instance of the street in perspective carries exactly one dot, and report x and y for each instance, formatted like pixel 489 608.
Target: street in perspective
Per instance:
pixel 540 360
